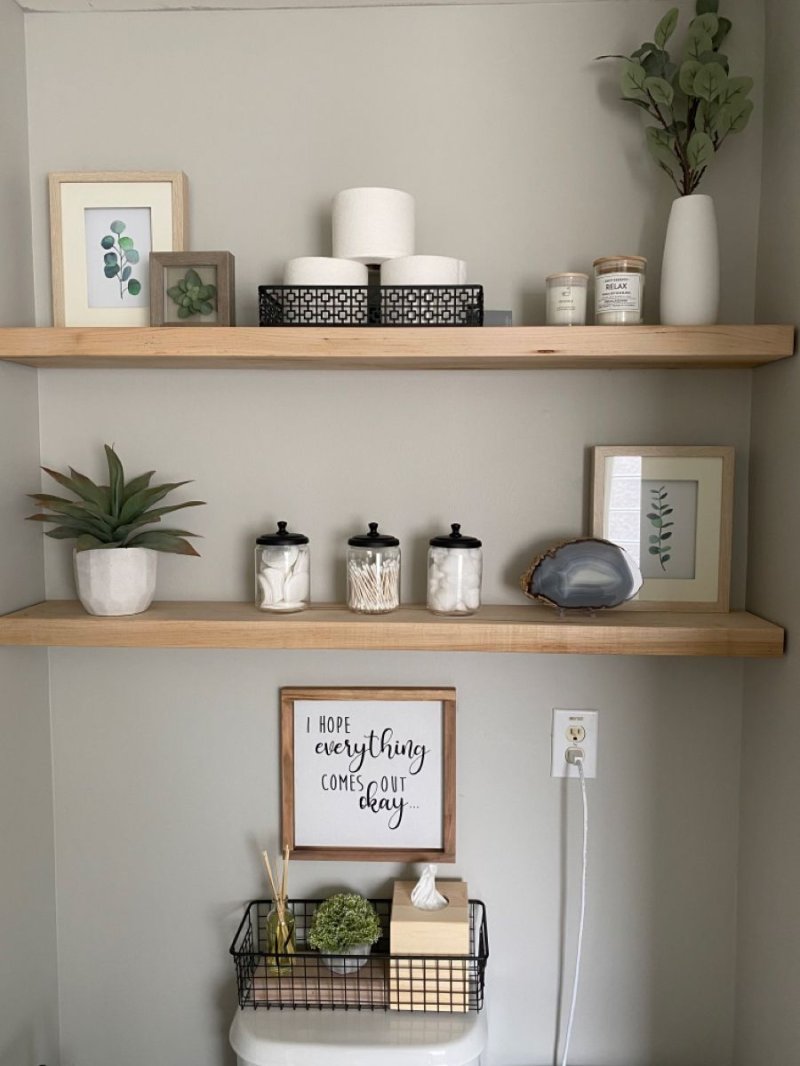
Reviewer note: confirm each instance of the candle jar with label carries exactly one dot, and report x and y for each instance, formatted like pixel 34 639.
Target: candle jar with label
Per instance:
pixel 455 563
pixel 619 290
pixel 283 577
pixel 373 572
pixel 566 299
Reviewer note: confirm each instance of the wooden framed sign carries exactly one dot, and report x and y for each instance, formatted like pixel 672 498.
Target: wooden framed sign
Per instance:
pixel 369 773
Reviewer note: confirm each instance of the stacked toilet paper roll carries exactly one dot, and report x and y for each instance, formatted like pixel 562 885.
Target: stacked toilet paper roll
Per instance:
pixel 324 270
pixel 424 270
pixel 372 225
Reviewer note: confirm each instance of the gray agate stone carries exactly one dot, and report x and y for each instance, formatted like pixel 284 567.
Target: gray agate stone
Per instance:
pixel 583 574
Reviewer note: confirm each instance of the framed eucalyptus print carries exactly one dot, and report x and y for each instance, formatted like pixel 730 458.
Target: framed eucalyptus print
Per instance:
pixel 103 227
pixel 671 508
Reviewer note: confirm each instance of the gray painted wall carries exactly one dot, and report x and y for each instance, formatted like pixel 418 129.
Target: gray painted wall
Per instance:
pixel 768 1026
pixel 165 761
pixel 28 987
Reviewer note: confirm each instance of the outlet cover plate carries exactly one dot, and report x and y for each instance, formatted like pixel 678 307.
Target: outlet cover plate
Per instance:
pixel 563 722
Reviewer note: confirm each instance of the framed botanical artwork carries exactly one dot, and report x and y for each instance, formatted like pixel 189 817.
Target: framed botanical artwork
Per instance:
pixel 671 508
pixel 369 773
pixel 192 289
pixel 103 227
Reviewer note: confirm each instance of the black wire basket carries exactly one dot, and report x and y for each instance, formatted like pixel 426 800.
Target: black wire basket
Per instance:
pixel 370 305
pixel 307 980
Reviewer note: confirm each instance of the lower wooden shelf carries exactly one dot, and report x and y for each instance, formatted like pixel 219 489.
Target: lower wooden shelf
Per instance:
pixel 531 629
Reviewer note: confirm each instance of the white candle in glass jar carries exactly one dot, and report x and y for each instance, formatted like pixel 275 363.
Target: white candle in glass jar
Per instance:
pixel 566 299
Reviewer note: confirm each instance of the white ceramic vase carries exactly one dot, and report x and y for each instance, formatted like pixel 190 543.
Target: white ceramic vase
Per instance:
pixel 690 268
pixel 114 581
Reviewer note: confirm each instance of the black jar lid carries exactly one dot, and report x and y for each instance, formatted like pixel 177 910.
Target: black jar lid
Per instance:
pixel 282 536
pixel 455 539
pixel 374 539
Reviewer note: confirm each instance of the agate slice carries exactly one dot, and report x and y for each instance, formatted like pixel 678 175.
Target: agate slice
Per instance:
pixel 585 574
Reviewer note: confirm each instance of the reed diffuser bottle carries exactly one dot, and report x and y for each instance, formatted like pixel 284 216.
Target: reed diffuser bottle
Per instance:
pixel 279 932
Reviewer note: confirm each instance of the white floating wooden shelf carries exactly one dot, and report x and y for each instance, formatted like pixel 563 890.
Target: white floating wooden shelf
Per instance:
pixel 533 628
pixel 401 348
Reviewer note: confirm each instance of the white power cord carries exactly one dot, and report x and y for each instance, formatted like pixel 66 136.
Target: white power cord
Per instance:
pixel 575 756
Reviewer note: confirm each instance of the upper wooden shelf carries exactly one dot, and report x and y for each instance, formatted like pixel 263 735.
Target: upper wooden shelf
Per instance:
pixel 527 628
pixel 401 348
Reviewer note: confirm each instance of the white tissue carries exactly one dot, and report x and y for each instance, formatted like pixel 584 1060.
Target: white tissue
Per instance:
pixel 323 270
pixel 424 895
pixel 424 270
pixel 372 225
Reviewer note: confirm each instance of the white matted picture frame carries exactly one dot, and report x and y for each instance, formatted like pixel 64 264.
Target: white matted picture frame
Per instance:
pixel 671 508
pixel 103 226
pixel 369 774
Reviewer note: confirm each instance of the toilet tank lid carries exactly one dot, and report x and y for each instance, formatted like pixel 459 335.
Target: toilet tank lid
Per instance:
pixel 356 1038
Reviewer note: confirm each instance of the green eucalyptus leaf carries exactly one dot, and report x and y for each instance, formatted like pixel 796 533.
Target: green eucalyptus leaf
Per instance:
pixel 654 551
pixel 721 125
pixel 707 24
pixel 734 87
pixel 126 243
pixel 704 7
pixel 660 146
pixel 725 27
pixel 741 110
pixel 107 241
pixel 688 72
pixel 655 64
pixel 632 80
pixel 643 50
pixel 666 27
pixel 126 273
pixel 709 81
pixel 117 227
pixel 111 270
pixel 134 287
pixel 132 255
pixel 109 258
pixel 699 150
pixel 698 44
pixel 660 90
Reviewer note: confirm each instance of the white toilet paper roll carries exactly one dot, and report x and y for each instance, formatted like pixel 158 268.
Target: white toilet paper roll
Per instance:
pixel 372 225
pixel 424 270
pixel 323 270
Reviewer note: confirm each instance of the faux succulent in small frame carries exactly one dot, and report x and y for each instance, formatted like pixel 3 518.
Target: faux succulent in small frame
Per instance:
pixel 659 518
pixel 192 297
pixel 119 258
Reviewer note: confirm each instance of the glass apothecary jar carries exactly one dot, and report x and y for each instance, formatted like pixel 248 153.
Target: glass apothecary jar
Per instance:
pixel 455 565
pixel 373 572
pixel 283 572
pixel 619 290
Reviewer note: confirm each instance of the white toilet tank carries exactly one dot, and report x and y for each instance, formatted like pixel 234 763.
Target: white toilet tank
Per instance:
pixel 357 1038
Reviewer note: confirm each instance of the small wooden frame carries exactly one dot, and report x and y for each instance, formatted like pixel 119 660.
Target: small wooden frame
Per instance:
pixel 368 774
pixel 103 226
pixel 672 509
pixel 169 270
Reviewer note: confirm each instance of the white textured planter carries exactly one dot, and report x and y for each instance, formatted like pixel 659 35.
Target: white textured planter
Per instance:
pixel 690 268
pixel 116 580
pixel 357 958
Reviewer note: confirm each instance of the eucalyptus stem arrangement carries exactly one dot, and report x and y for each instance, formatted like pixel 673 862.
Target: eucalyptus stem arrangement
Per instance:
pixel 694 100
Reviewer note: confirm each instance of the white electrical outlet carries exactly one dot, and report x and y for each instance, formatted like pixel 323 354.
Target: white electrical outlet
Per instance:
pixel 574 729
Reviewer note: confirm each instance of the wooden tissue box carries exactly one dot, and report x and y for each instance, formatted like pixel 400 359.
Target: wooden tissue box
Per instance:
pixel 438 984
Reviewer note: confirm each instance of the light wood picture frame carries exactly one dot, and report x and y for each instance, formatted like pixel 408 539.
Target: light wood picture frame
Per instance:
pixel 103 226
pixel 169 270
pixel 672 509
pixel 369 774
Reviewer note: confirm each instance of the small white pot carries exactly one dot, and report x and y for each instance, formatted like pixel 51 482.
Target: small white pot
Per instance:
pixel 114 581
pixel 357 958
pixel 690 268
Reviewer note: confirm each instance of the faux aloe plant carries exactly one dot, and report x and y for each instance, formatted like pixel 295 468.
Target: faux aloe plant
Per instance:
pixel 694 100
pixel 114 515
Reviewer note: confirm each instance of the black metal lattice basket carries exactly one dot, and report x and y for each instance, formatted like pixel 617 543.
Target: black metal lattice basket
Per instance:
pixel 370 305
pixel 307 980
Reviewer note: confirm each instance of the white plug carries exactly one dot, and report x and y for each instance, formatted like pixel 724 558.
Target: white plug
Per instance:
pixel 575 755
